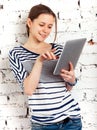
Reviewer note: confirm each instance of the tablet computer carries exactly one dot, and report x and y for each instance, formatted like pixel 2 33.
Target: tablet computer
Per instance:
pixel 71 53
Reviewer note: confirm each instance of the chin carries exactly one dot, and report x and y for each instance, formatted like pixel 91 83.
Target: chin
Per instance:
pixel 41 40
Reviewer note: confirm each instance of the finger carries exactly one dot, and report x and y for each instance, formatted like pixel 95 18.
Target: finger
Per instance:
pixel 53 50
pixel 44 56
pixel 65 71
pixel 53 56
pixel 50 55
pixel 67 75
pixel 71 68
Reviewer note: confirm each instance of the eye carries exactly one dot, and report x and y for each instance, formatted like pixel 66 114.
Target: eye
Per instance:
pixel 41 25
pixel 49 27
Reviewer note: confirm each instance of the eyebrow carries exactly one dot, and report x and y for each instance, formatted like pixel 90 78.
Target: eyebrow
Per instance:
pixel 44 23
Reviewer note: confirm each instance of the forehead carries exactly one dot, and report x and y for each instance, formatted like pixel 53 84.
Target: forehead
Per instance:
pixel 48 18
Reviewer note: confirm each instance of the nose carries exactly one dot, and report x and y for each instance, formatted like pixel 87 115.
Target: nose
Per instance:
pixel 45 29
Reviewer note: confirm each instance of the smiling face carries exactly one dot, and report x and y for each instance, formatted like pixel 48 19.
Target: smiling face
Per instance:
pixel 40 28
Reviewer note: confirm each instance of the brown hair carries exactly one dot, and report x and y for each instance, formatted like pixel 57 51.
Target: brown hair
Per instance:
pixel 41 9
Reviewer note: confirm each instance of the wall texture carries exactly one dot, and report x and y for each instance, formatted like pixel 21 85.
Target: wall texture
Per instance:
pixel 76 19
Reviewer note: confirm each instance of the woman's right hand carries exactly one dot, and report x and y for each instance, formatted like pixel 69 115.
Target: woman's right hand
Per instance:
pixel 48 55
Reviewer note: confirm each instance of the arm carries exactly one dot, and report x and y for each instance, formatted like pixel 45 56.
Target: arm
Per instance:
pixel 31 82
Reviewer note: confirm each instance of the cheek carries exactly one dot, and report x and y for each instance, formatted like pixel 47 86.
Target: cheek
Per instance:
pixel 33 30
pixel 49 31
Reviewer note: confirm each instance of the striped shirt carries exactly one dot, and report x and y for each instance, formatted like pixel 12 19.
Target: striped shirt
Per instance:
pixel 51 102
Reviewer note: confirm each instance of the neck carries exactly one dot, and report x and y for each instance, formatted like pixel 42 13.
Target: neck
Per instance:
pixel 33 43
pixel 37 47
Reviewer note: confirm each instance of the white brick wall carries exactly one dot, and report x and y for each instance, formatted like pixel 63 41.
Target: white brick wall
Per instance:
pixel 76 18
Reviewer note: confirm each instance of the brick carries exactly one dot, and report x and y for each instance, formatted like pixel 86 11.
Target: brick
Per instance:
pixel 7 88
pixel 12 111
pixel 19 123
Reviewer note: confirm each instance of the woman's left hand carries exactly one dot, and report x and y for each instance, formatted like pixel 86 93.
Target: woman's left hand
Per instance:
pixel 68 76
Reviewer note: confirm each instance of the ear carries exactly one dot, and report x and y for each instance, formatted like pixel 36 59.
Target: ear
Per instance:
pixel 29 22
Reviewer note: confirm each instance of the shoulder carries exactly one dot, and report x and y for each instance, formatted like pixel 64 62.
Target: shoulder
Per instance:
pixel 14 52
pixel 15 49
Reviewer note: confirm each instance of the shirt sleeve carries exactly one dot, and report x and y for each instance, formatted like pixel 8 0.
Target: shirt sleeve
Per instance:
pixel 17 67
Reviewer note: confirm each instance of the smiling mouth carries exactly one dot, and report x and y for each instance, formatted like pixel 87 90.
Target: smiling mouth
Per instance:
pixel 43 35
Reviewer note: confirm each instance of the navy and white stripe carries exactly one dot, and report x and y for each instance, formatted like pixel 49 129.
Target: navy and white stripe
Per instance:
pixel 51 102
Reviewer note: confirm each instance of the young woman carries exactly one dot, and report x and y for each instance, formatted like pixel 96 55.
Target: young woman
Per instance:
pixel 50 102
